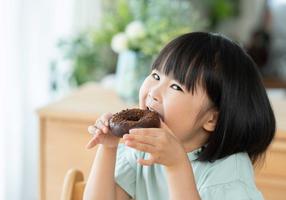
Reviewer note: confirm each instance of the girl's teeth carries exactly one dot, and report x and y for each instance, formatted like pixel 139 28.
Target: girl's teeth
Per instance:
pixel 150 109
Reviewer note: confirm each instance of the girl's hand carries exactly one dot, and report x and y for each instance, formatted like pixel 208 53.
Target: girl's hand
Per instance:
pixel 161 143
pixel 101 133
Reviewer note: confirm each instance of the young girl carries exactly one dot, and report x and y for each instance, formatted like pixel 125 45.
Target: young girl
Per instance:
pixel 216 121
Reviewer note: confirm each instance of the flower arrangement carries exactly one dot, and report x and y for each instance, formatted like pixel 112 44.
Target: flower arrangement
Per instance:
pixel 132 37
pixel 156 24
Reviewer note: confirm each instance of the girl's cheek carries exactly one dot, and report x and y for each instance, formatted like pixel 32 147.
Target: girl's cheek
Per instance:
pixel 143 92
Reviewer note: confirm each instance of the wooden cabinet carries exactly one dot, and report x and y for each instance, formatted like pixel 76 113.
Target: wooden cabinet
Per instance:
pixel 63 136
pixel 271 177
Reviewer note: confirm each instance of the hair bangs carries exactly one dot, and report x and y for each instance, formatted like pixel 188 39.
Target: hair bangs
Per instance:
pixel 183 64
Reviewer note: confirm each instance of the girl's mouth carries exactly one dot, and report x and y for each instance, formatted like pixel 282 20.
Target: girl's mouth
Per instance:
pixel 151 109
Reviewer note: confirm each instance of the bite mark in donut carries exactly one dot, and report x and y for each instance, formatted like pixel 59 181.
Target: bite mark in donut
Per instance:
pixel 121 122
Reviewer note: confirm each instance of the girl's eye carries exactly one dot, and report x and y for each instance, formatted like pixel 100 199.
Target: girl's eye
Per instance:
pixel 176 87
pixel 156 76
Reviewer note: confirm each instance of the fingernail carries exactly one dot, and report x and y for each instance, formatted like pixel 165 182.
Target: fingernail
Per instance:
pixel 131 131
pixel 127 137
pixel 105 130
pixel 91 129
pixel 106 123
pixel 97 131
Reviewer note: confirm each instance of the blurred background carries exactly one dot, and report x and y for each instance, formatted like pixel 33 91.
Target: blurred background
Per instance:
pixel 50 48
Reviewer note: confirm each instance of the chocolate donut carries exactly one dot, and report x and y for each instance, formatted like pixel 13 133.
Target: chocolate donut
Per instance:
pixel 121 122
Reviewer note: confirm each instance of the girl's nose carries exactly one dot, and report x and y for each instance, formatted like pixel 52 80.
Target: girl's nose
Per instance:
pixel 155 95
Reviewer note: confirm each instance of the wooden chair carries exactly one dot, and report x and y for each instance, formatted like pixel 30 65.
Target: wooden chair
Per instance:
pixel 73 186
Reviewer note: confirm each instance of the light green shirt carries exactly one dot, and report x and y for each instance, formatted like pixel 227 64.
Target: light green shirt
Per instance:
pixel 229 178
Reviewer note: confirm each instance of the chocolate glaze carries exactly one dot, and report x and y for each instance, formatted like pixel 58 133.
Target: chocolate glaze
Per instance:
pixel 121 122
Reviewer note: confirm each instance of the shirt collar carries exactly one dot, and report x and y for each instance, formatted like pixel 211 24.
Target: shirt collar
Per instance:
pixel 193 155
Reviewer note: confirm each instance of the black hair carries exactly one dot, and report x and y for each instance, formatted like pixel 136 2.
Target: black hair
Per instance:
pixel 234 85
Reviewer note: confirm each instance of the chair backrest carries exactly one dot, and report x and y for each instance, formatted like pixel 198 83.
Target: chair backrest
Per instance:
pixel 73 186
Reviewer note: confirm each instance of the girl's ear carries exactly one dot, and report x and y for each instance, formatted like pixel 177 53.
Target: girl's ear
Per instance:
pixel 211 121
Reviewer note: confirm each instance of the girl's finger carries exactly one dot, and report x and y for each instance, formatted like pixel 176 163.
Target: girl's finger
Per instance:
pixel 105 118
pixel 91 129
pixel 148 162
pixel 105 129
pixel 98 131
pixel 144 131
pixel 92 143
pixel 140 146
pixel 102 123
pixel 99 123
pixel 146 139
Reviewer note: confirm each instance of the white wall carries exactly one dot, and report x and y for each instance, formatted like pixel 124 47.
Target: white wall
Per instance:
pixel 29 30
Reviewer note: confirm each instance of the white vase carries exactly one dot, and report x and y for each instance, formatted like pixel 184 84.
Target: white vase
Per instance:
pixel 132 68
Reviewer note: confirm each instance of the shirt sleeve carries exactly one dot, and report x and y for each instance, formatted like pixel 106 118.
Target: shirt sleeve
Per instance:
pixel 236 190
pixel 125 169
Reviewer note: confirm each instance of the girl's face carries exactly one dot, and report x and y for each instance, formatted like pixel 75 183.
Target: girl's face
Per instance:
pixel 183 112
